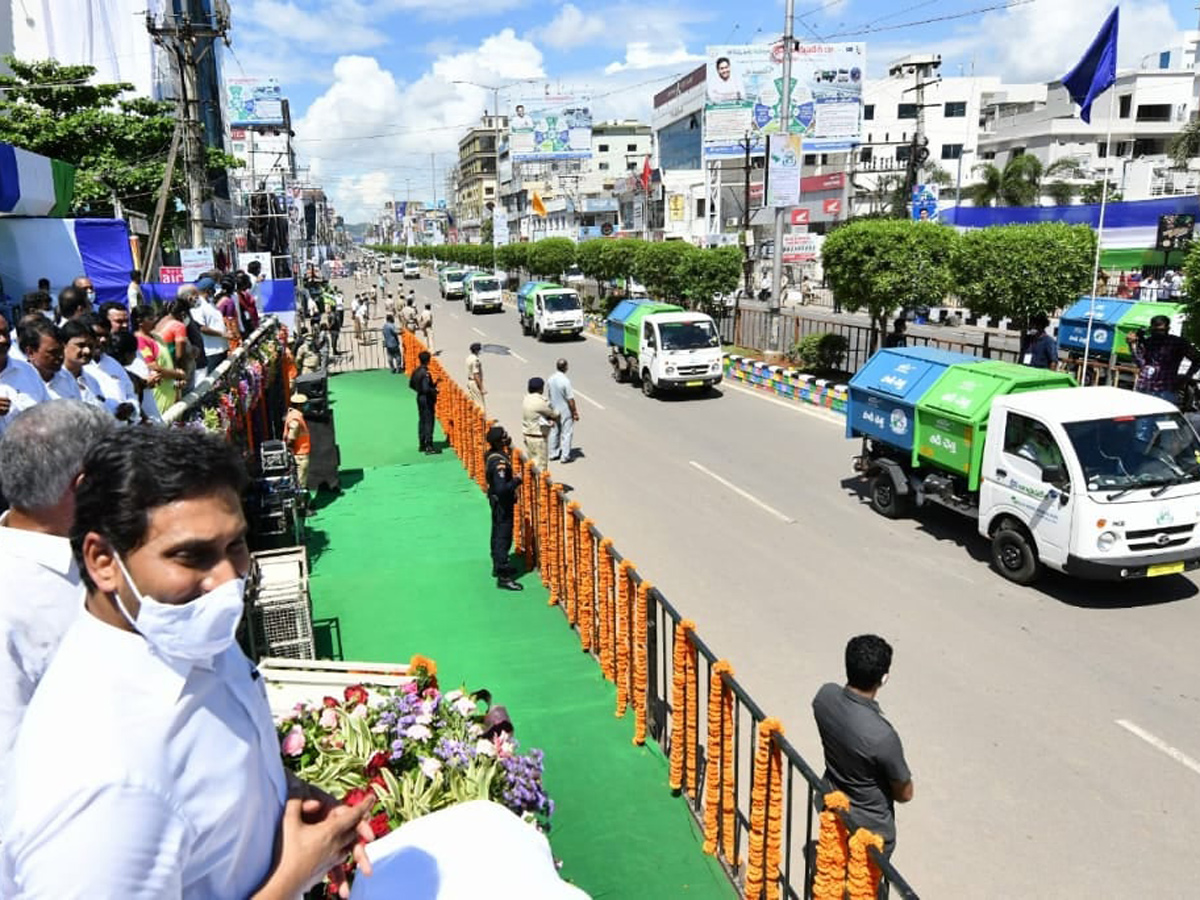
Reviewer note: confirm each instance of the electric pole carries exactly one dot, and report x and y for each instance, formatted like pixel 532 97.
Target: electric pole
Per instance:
pixel 180 36
pixel 785 128
pixel 747 263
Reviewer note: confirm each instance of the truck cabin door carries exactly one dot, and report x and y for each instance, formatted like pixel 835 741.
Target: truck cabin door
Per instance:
pixel 649 346
pixel 1030 473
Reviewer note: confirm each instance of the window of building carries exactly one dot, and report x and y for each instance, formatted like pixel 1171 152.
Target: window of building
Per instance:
pixel 1154 112
pixel 603 167
pixel 603 148
pixel 951 151
pixel 869 111
pixel 700 208
pixel 1015 152
pixel 631 165
pixel 988 154
pixel 488 191
pixel 956 109
pixel 865 154
pixel 1102 149
pixel 810 159
pixel 1164 59
pixel 1124 103
pixel 1149 147
pixel 1122 148
pixel 906 111
pixel 631 148
pixel 903 152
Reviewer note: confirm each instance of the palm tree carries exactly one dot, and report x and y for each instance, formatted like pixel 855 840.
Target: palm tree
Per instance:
pixel 1185 145
pixel 987 191
pixel 1022 181
pixel 1060 190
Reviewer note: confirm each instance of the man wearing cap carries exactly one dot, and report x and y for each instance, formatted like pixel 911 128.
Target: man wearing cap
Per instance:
pixel 295 434
pixel 502 487
pixel 475 377
pixel 536 418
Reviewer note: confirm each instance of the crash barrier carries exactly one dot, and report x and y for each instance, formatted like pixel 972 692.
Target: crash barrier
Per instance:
pixel 745 783
pixel 355 355
pixel 245 397
pixel 788 384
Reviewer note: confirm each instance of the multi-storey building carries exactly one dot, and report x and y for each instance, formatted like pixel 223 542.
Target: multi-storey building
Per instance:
pixel 475 191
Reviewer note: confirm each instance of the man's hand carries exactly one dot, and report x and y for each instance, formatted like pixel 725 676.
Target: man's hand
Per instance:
pixel 5 405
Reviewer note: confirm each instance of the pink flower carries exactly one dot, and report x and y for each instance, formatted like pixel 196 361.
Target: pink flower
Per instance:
pixel 293 743
pixel 409 687
pixel 329 718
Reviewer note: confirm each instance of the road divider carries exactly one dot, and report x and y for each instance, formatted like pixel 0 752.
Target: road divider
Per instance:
pixel 787 383
pixel 754 801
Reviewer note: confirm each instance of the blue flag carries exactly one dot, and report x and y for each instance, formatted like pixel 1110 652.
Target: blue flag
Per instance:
pixel 1097 71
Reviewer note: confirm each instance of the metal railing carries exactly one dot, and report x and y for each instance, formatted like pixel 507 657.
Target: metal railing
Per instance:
pixel 742 779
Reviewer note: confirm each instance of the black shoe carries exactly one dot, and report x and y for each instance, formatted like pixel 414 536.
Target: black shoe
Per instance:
pixel 507 584
pixel 433 451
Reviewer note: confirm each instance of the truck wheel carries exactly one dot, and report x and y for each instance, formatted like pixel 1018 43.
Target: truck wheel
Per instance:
pixel 1014 555
pixel 885 499
pixel 537 333
pixel 647 385
pixel 524 327
pixel 618 374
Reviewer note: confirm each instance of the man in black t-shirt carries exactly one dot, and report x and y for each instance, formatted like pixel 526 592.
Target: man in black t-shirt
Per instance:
pixel 426 387
pixel 864 758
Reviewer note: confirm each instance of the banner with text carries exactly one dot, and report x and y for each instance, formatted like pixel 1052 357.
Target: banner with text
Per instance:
pixel 784 155
pixel 550 128
pixel 798 248
pixel 744 93
pixel 253 101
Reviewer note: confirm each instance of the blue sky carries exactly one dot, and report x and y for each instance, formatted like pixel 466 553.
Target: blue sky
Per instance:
pixel 372 82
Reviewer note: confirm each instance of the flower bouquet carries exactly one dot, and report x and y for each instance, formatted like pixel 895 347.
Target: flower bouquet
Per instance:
pixel 416 749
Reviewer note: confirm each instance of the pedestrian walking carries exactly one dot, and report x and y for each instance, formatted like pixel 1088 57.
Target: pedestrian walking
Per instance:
pixel 562 401
pixel 475 387
pixel 408 317
pixel 502 487
pixel 296 436
pixel 425 323
pixel 426 388
pixel 391 343
pixel 1040 350
pixel 359 314
pixel 1159 357
pixel 864 758
pixel 536 418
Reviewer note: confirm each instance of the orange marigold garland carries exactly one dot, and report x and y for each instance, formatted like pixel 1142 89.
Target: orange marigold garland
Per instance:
pixel 862 875
pixel 606 610
pixel 692 716
pixel 571 569
pixel 621 637
pixel 829 882
pixel 587 585
pixel 760 874
pixel 712 775
pixel 543 548
pixel 774 837
pixel 557 536
pixel 678 706
pixel 640 662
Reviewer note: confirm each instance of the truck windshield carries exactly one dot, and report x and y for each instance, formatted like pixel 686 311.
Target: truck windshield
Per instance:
pixel 1131 452
pixel 688 335
pixel 455 276
pixel 484 284
pixel 561 302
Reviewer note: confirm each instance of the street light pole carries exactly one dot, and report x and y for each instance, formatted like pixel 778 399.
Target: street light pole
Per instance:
pixel 785 128
pixel 958 181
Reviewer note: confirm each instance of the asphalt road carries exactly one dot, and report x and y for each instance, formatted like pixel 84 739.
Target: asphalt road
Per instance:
pixel 1053 732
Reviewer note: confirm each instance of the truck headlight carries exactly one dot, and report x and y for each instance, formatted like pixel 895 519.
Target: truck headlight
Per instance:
pixel 670 370
pixel 715 367
pixel 1106 541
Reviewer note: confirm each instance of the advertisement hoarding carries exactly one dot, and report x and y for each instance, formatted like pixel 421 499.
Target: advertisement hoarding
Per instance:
pixel 550 128
pixel 253 101
pixel 784 155
pixel 798 248
pixel 744 93
pixel 195 261
pixel 925 203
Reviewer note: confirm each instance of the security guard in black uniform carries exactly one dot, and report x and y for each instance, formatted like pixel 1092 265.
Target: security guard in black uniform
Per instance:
pixel 502 493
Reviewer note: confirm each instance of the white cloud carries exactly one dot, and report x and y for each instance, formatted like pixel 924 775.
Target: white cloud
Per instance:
pixel 313 27
pixel 369 136
pixel 641 55
pixel 450 9
pixel 1042 41
pixel 572 28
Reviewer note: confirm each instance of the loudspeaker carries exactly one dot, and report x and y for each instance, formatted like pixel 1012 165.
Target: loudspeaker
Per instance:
pixel 324 457
pixel 315 386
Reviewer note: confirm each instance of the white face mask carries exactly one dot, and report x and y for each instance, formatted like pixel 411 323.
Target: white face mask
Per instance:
pixel 194 632
pixel 91 295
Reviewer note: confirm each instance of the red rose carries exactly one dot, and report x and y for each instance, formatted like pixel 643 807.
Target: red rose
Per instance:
pixel 355 694
pixel 376 764
pixel 379 782
pixel 357 796
pixel 380 825
pixel 329 701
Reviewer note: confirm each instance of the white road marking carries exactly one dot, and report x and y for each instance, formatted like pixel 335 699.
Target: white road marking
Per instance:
pixel 515 355
pixel 581 395
pixel 477 331
pixel 1159 744
pixel 766 507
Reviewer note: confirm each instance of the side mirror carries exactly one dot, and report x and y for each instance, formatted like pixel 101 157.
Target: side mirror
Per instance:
pixel 1053 474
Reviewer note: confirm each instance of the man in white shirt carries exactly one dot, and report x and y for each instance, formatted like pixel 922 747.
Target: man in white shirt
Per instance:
pixel 41 456
pixel 78 341
pixel 108 380
pixel 181 791
pixel 42 345
pixel 211 322
pixel 133 293
pixel 562 401
pixel 20 385
pixel 727 86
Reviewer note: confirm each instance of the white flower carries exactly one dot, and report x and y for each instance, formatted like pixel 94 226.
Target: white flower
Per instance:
pixel 465 706
pixel 430 766
pixel 360 711
pixel 452 696
pixel 418 732
pixel 424 719
pixel 427 707
pixel 474 729
pixel 485 748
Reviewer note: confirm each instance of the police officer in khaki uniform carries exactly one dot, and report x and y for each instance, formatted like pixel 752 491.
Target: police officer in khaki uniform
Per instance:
pixel 475 376
pixel 536 419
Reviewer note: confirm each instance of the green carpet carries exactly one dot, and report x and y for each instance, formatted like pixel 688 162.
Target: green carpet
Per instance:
pixel 400 561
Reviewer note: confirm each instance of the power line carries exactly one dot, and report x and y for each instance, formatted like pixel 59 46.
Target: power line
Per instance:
pixel 1012 4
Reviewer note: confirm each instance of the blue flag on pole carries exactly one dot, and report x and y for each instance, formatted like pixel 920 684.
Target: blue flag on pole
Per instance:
pixel 1097 71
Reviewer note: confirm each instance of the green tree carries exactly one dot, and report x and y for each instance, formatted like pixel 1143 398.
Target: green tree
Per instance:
pixel 117 145
pixel 1015 271
pixel 879 265
pixel 1185 145
pixel 619 256
pixel 1022 182
pixel 486 230
pixel 550 257
pixel 709 273
pixel 1191 292
pixel 1091 193
pixel 590 257
pixel 660 266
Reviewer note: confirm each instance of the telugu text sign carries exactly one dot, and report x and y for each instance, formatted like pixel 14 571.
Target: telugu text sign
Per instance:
pixel 744 87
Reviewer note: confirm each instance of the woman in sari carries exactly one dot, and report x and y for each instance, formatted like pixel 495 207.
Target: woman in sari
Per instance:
pixel 157 357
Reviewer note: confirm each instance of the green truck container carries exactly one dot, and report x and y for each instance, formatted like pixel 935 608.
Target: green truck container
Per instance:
pixel 1138 318
pixel 952 416
pixel 625 322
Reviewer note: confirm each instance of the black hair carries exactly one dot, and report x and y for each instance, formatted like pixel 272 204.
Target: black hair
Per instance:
pixel 868 659
pixel 76 328
pixel 722 59
pixel 36 300
pixel 70 300
pixel 140 314
pixel 181 309
pixel 900 321
pixel 127 476
pixel 1160 320
pixel 122 343
pixel 108 306
pixel 424 357
pixel 44 285
pixel 255 267
pixel 135 275
pixel 476 347
pixel 30 332
pixel 1040 321
pixel 242 281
